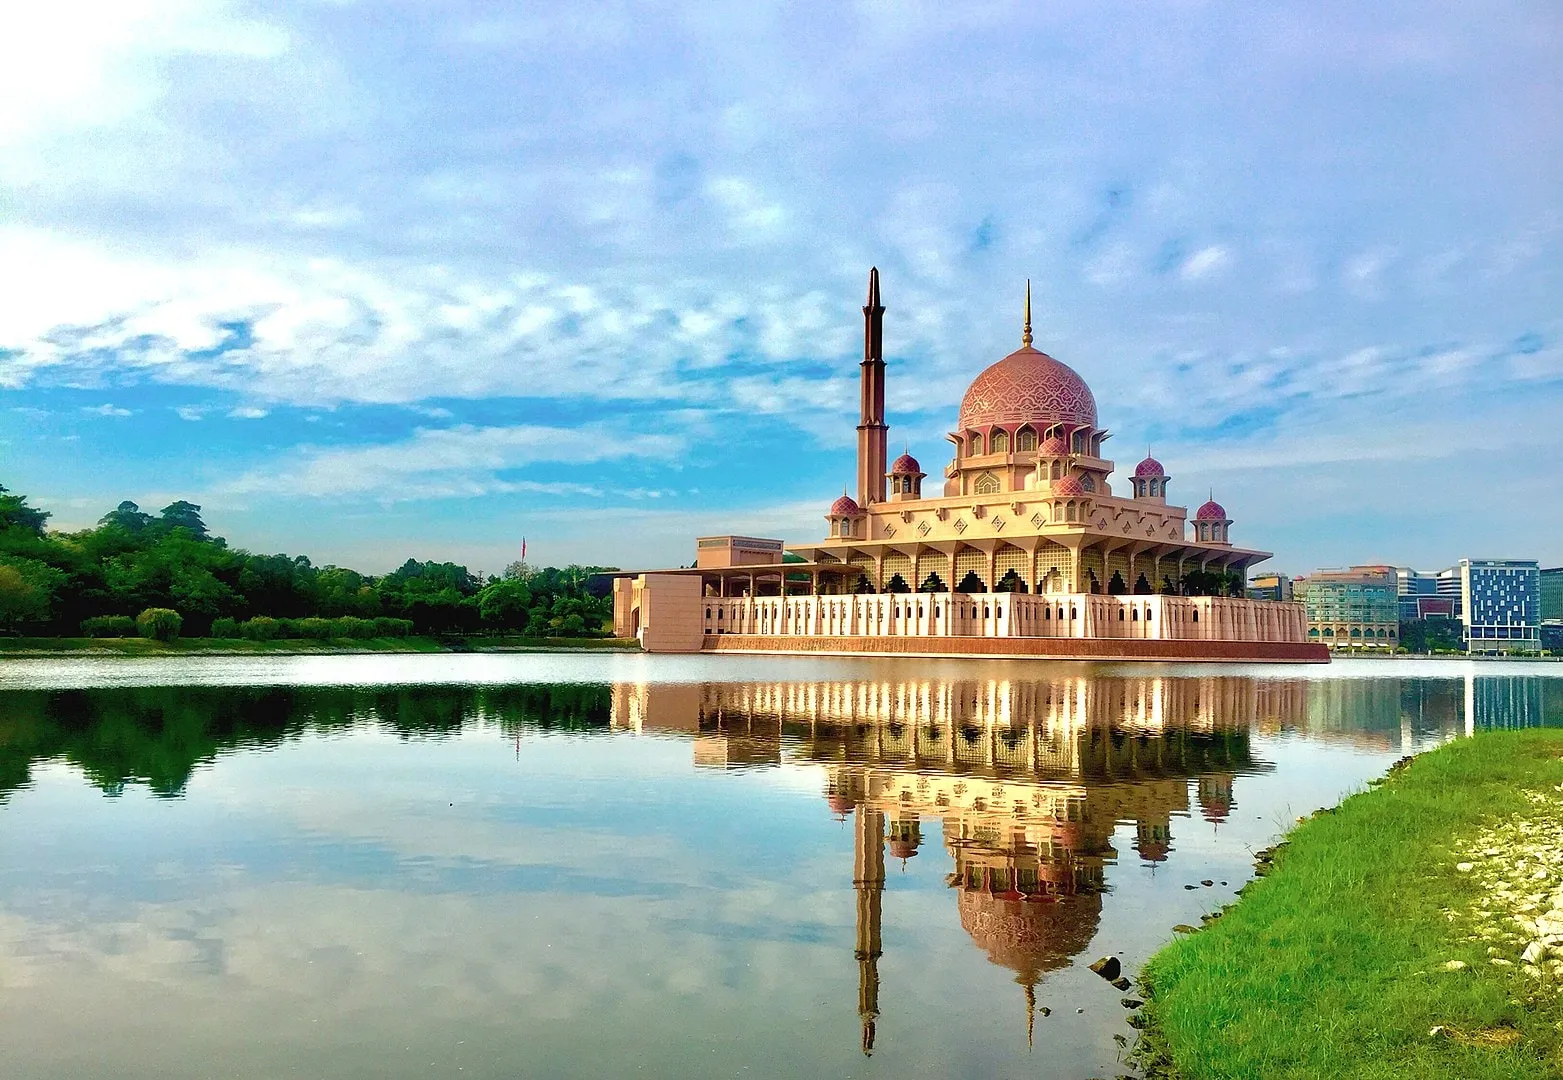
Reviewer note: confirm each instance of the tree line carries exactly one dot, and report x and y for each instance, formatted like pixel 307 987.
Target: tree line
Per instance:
pixel 164 575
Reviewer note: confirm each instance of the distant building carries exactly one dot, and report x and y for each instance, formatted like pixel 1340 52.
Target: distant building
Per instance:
pixel 1353 608
pixel 1415 588
pixel 1270 587
pixel 1552 595
pixel 1500 604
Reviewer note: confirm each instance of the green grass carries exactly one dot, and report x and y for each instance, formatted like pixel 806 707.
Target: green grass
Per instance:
pixel 1333 965
pixel 19 646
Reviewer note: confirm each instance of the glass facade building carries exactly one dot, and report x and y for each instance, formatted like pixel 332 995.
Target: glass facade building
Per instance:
pixel 1354 608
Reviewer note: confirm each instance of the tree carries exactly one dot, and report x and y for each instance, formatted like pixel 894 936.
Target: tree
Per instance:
pixel 503 604
pixel 16 514
pixel 184 515
pixel 128 516
pixel 27 591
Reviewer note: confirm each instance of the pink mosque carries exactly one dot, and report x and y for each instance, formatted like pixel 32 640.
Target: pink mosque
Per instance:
pixel 1025 552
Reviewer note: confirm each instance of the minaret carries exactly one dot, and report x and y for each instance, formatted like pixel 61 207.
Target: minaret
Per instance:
pixel 1025 334
pixel 871 430
pixel 868 881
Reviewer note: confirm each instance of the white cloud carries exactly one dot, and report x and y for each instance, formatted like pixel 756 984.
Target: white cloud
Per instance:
pixel 105 410
pixel 1205 262
pixel 248 412
pixel 190 412
pixel 463 461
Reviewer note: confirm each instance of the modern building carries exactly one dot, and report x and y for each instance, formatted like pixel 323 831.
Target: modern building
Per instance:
pixel 1024 549
pixel 1552 609
pixel 1419 597
pixel 1276 587
pixel 1356 608
pixel 1500 603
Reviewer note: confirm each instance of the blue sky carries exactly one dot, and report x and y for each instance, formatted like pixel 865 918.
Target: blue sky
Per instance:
pixel 377 279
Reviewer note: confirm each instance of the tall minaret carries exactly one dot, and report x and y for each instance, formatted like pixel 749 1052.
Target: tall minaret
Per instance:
pixel 872 433
pixel 868 882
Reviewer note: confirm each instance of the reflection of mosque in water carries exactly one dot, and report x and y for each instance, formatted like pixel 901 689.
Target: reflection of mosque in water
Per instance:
pixel 1028 781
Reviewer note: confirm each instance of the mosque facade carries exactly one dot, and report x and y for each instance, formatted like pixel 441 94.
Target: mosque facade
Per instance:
pixel 1022 546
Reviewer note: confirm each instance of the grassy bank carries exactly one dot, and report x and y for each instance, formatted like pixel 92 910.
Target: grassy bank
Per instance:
pixel 299 646
pixel 1384 942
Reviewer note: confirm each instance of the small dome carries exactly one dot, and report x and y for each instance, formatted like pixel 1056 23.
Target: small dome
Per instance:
pixel 1069 485
pixel 1053 446
pixel 1149 467
pixel 846 506
pixel 1211 511
pixel 905 465
pixel 840 803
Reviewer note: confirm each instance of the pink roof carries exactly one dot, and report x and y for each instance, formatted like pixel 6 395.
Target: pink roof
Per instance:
pixel 1211 511
pixel 845 506
pixel 1069 485
pixel 1149 467
pixel 1027 387
pixel 905 465
pixel 1054 445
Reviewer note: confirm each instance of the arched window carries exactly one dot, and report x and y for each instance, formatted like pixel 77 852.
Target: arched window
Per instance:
pixel 975 442
pixel 1088 482
pixel 1025 439
pixel 1058 471
pixel 998 442
pixel 1069 511
pixel 987 483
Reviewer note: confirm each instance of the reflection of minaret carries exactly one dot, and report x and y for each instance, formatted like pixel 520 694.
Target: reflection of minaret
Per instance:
pixel 868 881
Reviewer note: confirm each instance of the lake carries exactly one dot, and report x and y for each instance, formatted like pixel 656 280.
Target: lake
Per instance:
pixel 585 865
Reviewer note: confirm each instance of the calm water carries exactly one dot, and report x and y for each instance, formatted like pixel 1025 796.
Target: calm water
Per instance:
pixel 602 866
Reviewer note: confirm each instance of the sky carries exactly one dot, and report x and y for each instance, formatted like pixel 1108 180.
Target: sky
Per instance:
pixel 389 278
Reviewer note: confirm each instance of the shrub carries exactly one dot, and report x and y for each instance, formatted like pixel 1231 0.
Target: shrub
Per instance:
pixel 388 627
pixel 349 626
pixel 260 628
pixel 318 629
pixel 159 623
pixel 108 626
pixel 225 627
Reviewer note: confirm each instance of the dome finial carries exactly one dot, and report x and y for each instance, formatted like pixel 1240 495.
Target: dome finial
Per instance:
pixel 1025 336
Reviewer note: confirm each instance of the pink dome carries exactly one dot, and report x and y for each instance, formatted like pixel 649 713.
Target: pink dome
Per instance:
pixel 845 506
pixel 1069 485
pixel 1053 446
pixel 1149 467
pixel 1211 511
pixel 905 465
pixel 1027 387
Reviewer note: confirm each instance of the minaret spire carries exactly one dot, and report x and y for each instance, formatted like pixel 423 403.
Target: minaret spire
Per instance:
pixel 1025 335
pixel 871 429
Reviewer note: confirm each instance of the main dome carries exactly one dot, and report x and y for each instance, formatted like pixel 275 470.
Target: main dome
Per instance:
pixel 1027 387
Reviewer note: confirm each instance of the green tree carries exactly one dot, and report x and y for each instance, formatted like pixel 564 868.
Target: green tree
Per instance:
pixel 27 591
pixel 127 516
pixel 16 514
pixel 184 515
pixel 503 604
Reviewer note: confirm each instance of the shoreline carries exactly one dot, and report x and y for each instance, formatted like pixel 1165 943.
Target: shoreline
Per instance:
pixel 43 648
pixel 1416 929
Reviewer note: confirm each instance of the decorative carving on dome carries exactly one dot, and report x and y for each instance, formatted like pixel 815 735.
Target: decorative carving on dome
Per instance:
pixel 1027 387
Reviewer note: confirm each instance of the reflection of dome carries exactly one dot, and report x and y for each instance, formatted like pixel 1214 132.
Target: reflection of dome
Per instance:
pixel 1069 485
pixel 902 849
pixel 905 465
pixel 841 803
pixel 1153 850
pixel 1149 467
pixel 1030 936
pixel 1028 387
pixel 846 506
pixel 1211 511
